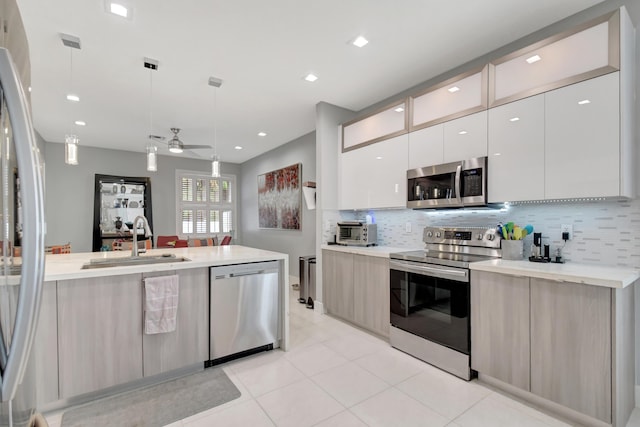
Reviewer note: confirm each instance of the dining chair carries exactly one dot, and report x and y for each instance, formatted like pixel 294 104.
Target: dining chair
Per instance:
pixel 226 240
pixel 167 241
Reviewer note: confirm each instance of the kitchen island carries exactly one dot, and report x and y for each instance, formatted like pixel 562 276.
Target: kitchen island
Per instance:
pixel 90 339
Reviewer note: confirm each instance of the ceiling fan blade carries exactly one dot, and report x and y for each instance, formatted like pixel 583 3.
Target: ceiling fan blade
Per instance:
pixel 195 147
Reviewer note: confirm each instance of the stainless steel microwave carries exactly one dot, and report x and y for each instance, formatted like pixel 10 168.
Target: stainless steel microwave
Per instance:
pixel 449 185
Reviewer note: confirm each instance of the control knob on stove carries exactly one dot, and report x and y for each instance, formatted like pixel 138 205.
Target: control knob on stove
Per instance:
pixel 429 233
pixel 491 236
pixel 438 234
pixel 480 236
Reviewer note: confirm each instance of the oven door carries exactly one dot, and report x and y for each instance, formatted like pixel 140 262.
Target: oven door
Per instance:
pixel 431 301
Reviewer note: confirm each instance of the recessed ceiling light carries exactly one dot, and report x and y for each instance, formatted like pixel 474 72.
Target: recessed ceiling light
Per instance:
pixel 360 41
pixel 311 77
pixel 399 110
pixel 534 58
pixel 584 101
pixel 80 123
pixel 453 89
pixel 237 147
pixel 379 158
pixel 262 134
pixel 118 9
pixel 497 154
pixel 29 89
pixel 72 97
pixel 462 132
pixel 514 119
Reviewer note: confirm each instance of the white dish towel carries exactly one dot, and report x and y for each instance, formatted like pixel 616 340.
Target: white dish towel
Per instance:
pixel 160 304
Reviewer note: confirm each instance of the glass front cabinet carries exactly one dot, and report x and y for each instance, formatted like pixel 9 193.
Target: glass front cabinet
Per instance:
pixel 118 201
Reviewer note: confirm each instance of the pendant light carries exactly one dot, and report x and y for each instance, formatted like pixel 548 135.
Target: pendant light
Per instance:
pixel 71 139
pixel 215 160
pixel 152 150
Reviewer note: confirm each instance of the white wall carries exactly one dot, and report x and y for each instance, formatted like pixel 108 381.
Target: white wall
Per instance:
pixel 296 243
pixel 69 190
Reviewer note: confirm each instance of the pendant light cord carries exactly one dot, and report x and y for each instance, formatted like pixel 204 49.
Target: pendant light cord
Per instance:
pixel 215 122
pixel 71 88
pixel 150 104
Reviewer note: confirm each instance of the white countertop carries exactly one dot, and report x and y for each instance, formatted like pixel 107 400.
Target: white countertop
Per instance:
pixel 69 266
pixel 587 274
pixel 379 251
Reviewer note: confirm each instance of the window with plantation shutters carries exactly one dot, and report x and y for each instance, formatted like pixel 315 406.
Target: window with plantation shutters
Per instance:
pixel 205 205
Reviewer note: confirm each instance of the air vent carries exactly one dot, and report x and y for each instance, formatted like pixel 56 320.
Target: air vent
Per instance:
pixel 214 81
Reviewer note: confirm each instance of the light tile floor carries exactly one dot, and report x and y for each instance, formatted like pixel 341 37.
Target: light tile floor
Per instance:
pixel 336 375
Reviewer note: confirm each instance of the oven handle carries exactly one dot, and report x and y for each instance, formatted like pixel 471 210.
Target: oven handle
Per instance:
pixel 460 275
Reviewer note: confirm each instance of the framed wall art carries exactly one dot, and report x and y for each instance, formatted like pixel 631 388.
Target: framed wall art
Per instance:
pixel 280 198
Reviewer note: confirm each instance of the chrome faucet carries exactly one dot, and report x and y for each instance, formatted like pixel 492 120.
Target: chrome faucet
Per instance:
pixel 147 233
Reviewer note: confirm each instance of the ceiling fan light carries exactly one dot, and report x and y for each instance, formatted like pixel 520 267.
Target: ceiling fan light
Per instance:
pixel 152 158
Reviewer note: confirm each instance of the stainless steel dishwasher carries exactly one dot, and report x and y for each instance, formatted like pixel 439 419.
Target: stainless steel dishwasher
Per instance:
pixel 245 308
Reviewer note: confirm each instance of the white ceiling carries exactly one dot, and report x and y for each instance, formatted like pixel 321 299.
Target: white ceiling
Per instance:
pixel 261 50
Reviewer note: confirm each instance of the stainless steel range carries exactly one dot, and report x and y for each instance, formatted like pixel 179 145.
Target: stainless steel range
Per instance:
pixel 430 295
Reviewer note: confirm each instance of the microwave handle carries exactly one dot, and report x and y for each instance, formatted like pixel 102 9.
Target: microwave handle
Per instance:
pixel 457 183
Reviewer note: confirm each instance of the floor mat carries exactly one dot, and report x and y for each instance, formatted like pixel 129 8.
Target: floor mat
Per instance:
pixel 156 405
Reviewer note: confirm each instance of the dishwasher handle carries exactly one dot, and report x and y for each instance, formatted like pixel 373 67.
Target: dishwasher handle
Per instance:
pixel 241 270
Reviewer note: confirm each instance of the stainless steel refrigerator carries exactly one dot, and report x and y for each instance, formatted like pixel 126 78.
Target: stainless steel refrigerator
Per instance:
pixel 21 248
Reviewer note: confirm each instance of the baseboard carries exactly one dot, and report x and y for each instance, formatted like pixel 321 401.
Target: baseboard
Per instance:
pixel 637 396
pixel 318 308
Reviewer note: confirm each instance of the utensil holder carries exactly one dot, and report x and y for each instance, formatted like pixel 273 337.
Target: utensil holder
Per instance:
pixel 512 250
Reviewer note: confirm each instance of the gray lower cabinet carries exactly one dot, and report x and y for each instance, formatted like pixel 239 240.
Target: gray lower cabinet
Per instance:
pixel 500 327
pixel 371 293
pixel 571 346
pixel 45 347
pixel 337 283
pixel 99 333
pixel 189 343
pixel 356 288
pixel 569 343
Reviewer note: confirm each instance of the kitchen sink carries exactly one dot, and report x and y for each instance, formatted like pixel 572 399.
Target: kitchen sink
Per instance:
pixel 137 260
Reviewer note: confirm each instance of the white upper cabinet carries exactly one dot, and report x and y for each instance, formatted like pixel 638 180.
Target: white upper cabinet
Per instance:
pixel 465 138
pixel 426 147
pixel 456 97
pixel 387 123
pixel 375 176
pixel 587 51
pixel 516 151
pixel 582 139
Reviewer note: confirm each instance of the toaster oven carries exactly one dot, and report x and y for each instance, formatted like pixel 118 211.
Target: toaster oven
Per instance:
pixel 357 233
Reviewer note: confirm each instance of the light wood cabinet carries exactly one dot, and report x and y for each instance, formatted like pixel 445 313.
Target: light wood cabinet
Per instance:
pixel 189 343
pixel 582 139
pixel 337 283
pixel 45 347
pixel 571 334
pixel 465 138
pixel 389 122
pixel 500 327
pixel 371 293
pixel 516 151
pixel 375 176
pixel 564 344
pixel 356 288
pixel 99 333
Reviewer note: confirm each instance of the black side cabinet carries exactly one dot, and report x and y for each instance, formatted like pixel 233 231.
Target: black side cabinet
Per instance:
pixel 118 201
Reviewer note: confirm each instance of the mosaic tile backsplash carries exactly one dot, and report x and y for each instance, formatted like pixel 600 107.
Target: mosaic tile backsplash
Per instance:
pixel 605 233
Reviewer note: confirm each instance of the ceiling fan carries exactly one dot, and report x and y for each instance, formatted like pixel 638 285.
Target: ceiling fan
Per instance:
pixel 177 146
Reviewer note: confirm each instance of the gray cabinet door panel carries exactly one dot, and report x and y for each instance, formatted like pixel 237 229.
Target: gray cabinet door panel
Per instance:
pixel 337 283
pixel 500 327
pixel 571 346
pixel 371 293
pixel 99 333
pixel 189 343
